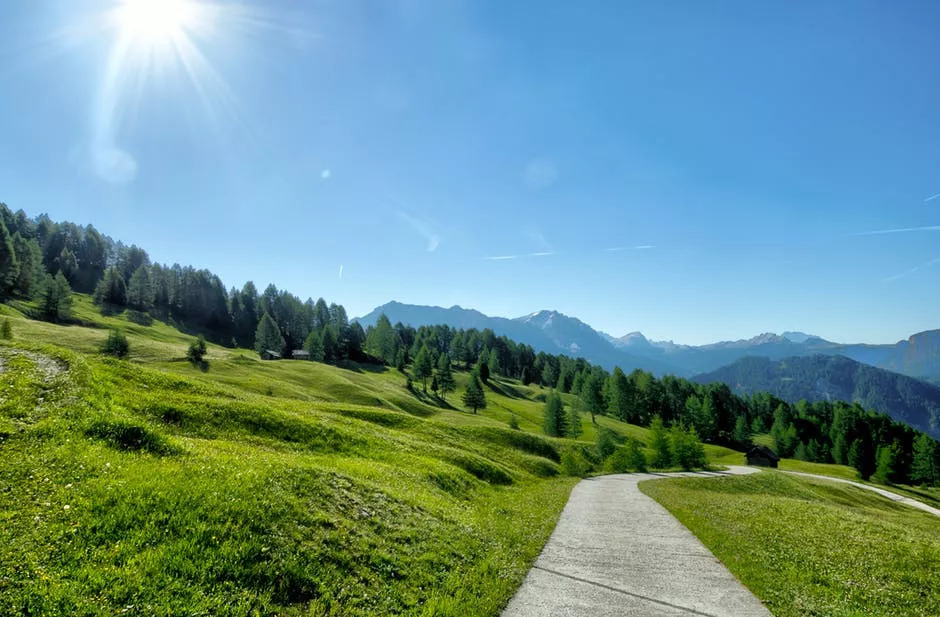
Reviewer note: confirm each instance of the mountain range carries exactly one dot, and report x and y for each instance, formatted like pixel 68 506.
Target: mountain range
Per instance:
pixel 554 332
pixel 832 378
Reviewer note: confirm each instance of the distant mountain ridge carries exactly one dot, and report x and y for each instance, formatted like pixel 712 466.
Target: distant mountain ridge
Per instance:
pixel 554 332
pixel 548 331
pixel 822 377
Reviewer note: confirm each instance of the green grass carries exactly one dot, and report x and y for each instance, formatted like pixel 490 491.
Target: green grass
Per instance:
pixel 150 487
pixel 928 495
pixel 811 547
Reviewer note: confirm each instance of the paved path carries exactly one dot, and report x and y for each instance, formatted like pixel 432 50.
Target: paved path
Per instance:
pixel 883 492
pixel 616 552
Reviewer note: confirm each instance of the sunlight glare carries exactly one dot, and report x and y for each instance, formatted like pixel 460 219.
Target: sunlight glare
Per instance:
pixel 153 21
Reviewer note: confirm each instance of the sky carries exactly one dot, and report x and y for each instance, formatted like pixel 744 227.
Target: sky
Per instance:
pixel 697 171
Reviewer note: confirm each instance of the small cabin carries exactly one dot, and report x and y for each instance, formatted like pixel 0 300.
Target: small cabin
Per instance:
pixel 761 456
pixel 268 354
pixel 300 354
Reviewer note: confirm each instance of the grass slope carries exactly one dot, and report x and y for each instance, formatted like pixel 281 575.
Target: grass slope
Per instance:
pixel 808 547
pixel 148 487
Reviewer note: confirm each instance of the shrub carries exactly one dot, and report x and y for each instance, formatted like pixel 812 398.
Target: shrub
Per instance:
pixel 605 443
pixel 115 345
pixel 574 463
pixel 628 458
pixel 197 352
pixel 6 331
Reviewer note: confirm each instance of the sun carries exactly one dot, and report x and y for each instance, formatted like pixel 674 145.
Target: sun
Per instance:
pixel 155 21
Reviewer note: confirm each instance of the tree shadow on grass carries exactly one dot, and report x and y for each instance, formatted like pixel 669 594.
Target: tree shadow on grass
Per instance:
pixel 505 389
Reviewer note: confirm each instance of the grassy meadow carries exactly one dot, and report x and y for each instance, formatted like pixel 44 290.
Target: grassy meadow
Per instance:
pixel 147 486
pixel 812 547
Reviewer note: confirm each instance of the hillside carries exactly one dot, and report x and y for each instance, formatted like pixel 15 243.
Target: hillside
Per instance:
pixel 828 378
pixel 285 487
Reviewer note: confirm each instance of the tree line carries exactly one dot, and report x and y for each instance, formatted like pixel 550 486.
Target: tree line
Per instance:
pixel 44 260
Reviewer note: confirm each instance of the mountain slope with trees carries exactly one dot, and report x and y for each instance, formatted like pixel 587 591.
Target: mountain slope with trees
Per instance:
pixel 834 378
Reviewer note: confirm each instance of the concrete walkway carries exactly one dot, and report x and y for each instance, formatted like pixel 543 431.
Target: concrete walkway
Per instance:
pixel 883 492
pixel 616 552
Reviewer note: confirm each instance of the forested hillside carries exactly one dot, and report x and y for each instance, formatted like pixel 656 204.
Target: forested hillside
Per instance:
pixel 123 278
pixel 834 378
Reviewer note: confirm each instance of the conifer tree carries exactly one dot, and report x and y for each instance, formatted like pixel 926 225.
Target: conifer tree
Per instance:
pixel 330 345
pixel 659 442
pixel 924 468
pixel 31 272
pixel 314 346
pixel 741 434
pixel 9 266
pixel 268 336
pixel 554 421
pixel 445 377
pixel 636 459
pixel 474 397
pixel 549 376
pixel 6 331
pixel 886 459
pixel 55 302
pixel 573 422
pixel 482 368
pixel 422 366
pixel 492 363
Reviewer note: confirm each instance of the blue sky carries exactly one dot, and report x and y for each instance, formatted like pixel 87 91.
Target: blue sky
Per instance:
pixel 697 171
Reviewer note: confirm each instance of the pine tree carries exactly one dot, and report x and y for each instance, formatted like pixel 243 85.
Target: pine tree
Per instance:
pixel 115 345
pixel 139 290
pixel 659 442
pixel 554 420
pixel 314 346
pixel 549 375
pixel 924 464
pixel 445 378
pixel 474 397
pixel 111 289
pixel 330 345
pixel 621 395
pixel 482 368
pixel 492 363
pixel 604 442
pixel 422 366
pixel 886 458
pixel 268 336
pixel 9 266
pixel 31 272
pixel 55 302
pixel 591 396
pixel 573 422
pixel 741 432
pixel 636 459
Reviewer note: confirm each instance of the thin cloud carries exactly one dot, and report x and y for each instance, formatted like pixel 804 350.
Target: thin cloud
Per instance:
pixel 326 174
pixel 907 273
pixel 524 255
pixel 340 271
pixel 640 247
pixel 932 197
pixel 423 227
pixel 901 230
